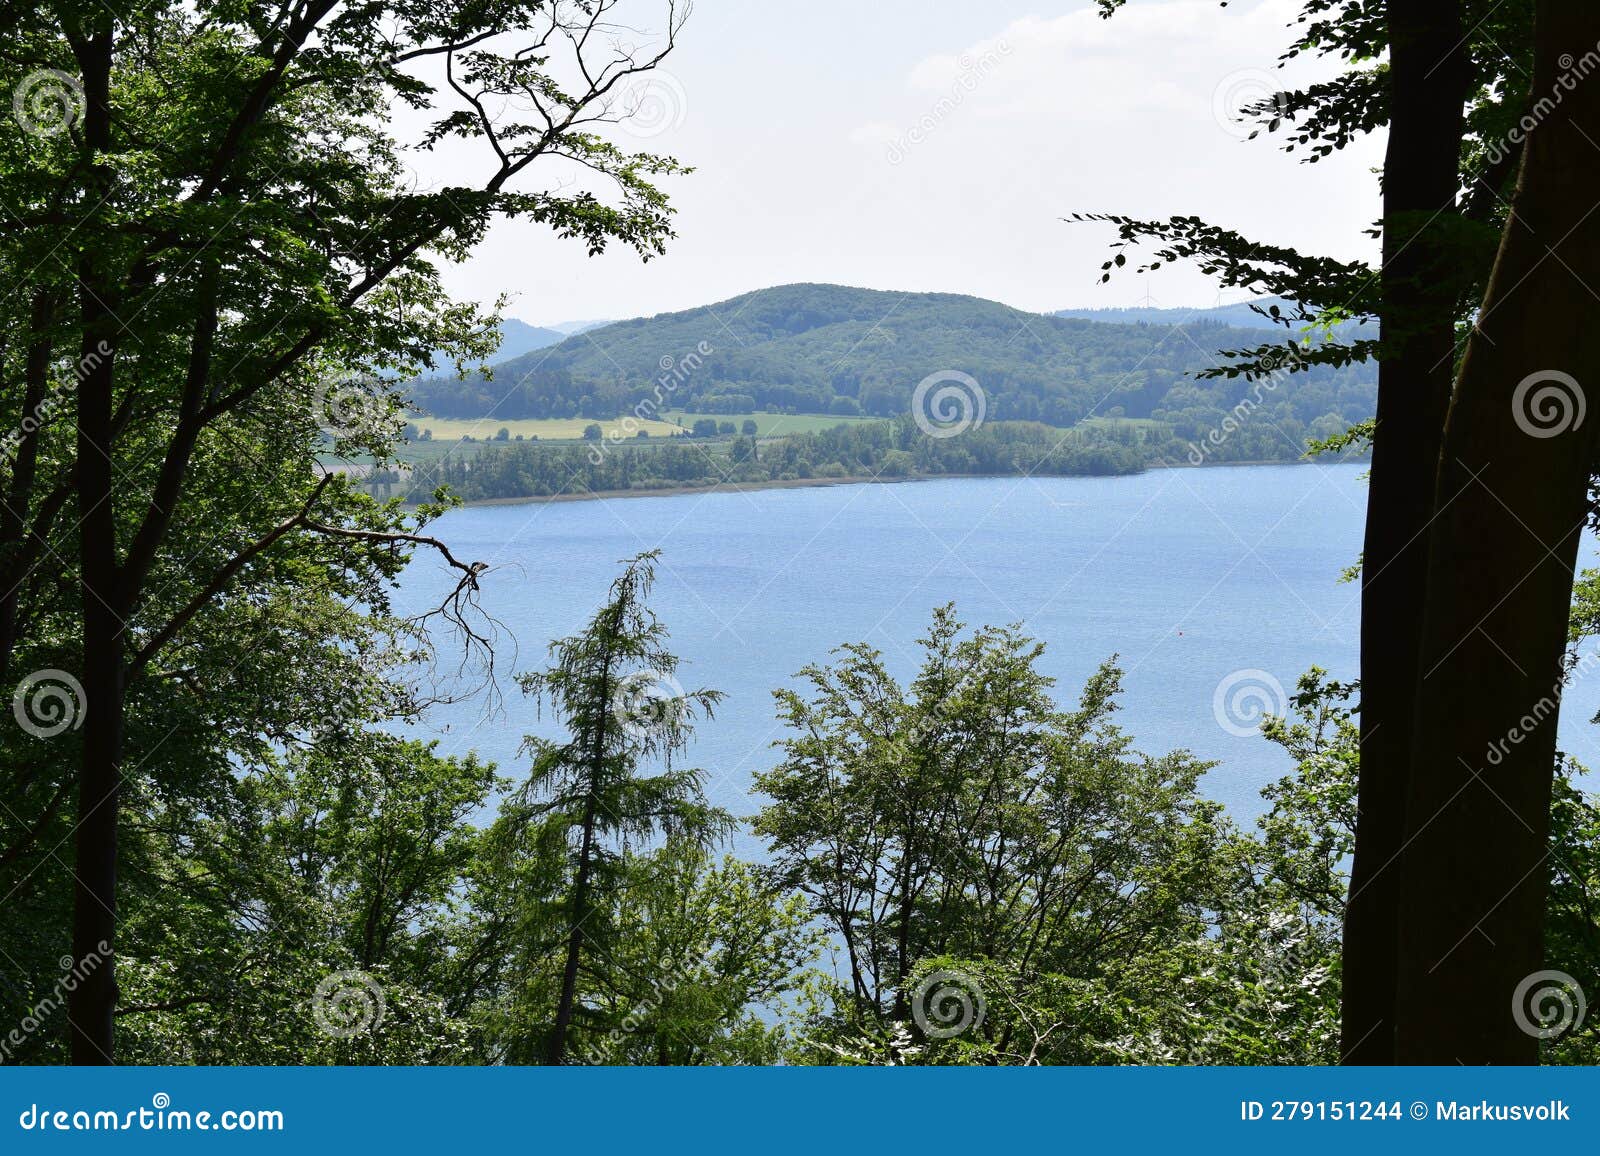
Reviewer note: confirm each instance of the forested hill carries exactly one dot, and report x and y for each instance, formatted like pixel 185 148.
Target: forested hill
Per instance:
pixel 1240 315
pixel 832 349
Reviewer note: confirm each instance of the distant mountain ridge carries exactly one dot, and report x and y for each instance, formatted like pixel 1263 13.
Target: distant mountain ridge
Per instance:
pixel 1240 315
pixel 814 348
pixel 572 328
pixel 516 339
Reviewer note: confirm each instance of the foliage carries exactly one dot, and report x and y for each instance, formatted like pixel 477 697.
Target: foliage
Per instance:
pixel 964 818
pixel 890 449
pixel 561 846
pixel 832 349
pixel 219 252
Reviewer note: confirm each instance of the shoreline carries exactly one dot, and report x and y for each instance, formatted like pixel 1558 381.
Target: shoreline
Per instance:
pixel 808 483
pixel 718 488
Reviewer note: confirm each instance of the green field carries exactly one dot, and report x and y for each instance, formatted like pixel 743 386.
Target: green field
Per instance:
pixel 1113 422
pixel 671 422
pixel 769 425
pixel 449 433
pixel 448 429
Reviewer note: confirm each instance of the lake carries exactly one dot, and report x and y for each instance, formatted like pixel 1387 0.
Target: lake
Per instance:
pixel 1194 577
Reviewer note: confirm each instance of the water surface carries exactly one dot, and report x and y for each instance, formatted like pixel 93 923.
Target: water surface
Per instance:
pixel 1189 576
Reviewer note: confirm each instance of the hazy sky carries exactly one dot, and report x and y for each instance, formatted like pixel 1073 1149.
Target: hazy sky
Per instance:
pixel 936 145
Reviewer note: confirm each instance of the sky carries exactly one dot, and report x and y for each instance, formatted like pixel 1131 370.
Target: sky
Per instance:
pixel 936 145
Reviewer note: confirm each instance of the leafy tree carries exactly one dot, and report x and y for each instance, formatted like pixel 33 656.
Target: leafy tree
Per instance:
pixel 964 817
pixel 613 688
pixel 221 255
pixel 889 449
pixel 706 952
pixel 312 916
pixel 1446 181
pixel 1516 473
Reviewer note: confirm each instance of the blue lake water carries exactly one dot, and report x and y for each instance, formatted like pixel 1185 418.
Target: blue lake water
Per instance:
pixel 1190 576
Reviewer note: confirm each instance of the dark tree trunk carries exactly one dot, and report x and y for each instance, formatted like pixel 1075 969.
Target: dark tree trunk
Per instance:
pixel 1428 82
pixel 580 916
pixel 94 921
pixel 91 1006
pixel 1519 447
pixel 14 515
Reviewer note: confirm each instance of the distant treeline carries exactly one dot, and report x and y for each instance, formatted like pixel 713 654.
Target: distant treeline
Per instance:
pixel 890 449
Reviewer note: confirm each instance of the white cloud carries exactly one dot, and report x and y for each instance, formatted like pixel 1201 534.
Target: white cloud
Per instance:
pixel 825 150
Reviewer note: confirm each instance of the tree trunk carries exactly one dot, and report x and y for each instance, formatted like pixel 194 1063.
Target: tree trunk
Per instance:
pixel 15 513
pixel 580 914
pixel 1428 82
pixel 92 1003
pixel 1519 447
pixel 94 912
pixel 91 1006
